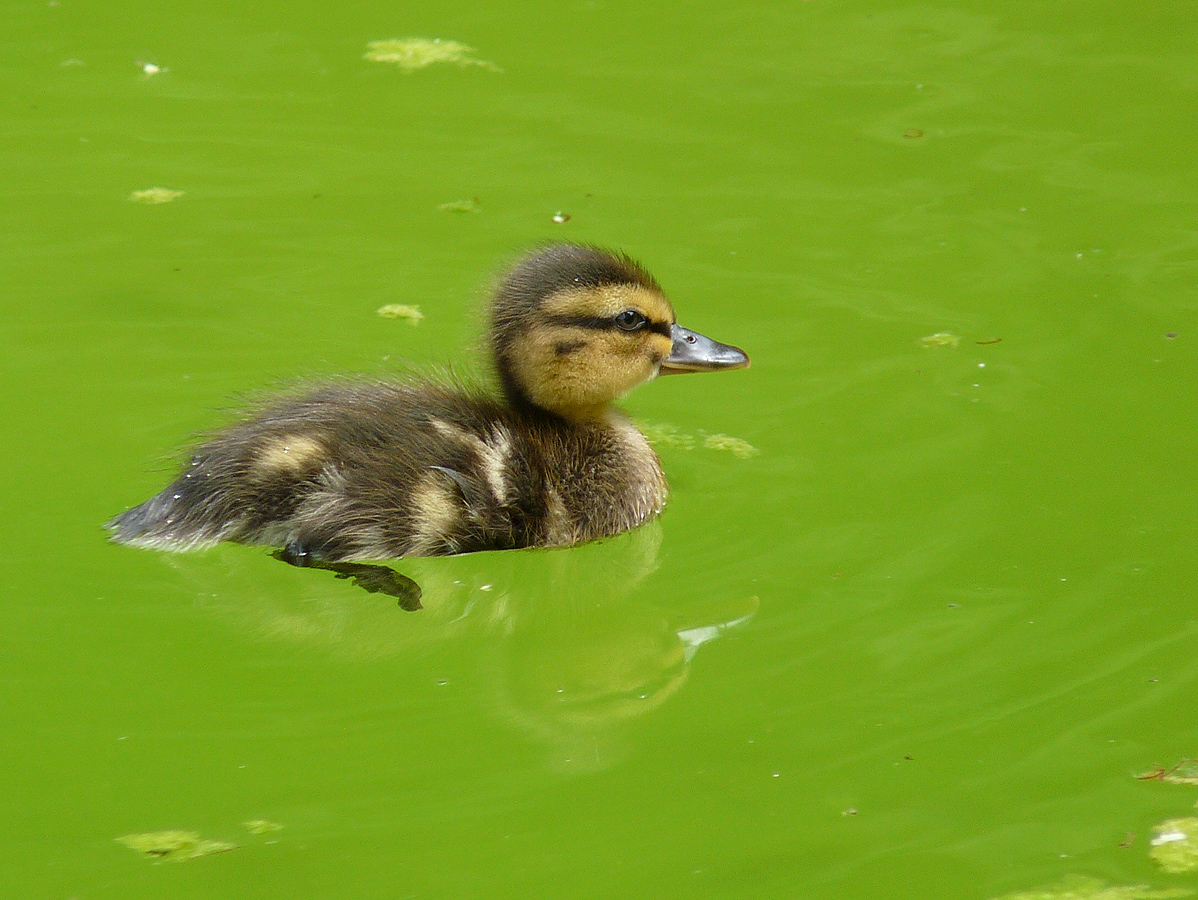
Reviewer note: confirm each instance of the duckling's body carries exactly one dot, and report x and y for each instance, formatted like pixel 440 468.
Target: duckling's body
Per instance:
pixel 379 471
pixel 357 471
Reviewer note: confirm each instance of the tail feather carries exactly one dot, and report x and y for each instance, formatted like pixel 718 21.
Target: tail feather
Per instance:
pixel 162 523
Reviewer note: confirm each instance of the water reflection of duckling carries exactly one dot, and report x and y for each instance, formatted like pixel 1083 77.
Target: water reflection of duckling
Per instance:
pixel 356 470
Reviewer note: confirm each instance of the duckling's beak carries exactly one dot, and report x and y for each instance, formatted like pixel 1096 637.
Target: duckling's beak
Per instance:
pixel 692 352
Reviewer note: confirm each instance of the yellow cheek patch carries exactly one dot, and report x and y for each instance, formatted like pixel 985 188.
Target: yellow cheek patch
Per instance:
pixel 660 346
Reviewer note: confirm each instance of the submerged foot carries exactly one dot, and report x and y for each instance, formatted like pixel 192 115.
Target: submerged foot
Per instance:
pixel 374 579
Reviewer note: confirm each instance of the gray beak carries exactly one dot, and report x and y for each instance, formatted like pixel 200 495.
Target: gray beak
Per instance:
pixel 692 352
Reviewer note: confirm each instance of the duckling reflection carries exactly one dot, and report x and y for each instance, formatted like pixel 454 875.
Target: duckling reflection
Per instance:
pixel 577 677
pixel 571 648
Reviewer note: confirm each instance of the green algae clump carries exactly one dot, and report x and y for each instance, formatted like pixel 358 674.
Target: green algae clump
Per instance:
pixel 401 311
pixel 941 339
pixel 1175 847
pixel 261 826
pixel 155 195
pixel 411 54
pixel 460 206
pixel 1081 887
pixel 741 449
pixel 667 435
pixel 177 846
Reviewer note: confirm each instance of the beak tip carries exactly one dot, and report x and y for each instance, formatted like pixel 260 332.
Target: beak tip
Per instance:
pixel 740 360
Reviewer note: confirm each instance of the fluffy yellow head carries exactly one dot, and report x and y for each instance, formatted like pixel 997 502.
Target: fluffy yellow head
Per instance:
pixel 590 346
pixel 575 328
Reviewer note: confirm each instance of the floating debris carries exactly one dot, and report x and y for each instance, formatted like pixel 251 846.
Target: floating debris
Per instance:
pixel 1175 847
pixel 1082 887
pixel 72 62
pixel 261 826
pixel 851 811
pixel 561 218
pixel 155 195
pixel 669 436
pixel 913 133
pixel 941 339
pixel 992 341
pixel 177 846
pixel 734 445
pixel 401 311
pixel 1185 772
pixel 411 54
pixel 461 206
pixel 151 69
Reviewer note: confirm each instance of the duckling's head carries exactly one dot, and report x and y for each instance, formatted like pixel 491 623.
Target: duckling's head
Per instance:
pixel 574 328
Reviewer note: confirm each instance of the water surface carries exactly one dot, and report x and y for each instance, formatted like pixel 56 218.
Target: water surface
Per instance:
pixel 917 646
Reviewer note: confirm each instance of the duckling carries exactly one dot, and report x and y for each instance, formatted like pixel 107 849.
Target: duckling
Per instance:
pixel 347 470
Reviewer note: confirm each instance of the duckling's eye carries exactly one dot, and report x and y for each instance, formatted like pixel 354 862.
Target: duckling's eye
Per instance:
pixel 630 320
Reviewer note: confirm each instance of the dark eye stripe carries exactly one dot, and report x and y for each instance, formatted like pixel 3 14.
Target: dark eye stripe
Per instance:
pixel 600 323
pixel 659 327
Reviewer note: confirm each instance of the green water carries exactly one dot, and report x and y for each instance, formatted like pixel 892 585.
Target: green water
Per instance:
pixel 917 647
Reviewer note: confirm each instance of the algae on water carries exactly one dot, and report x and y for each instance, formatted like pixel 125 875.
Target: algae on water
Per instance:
pixel 401 311
pixel 941 339
pixel 261 826
pixel 177 846
pixel 155 195
pixel 1082 887
pixel 1175 847
pixel 411 54
pixel 739 448
pixel 669 436
pixel 461 206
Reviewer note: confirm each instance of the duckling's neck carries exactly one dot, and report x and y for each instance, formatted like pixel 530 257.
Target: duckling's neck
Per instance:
pixel 517 398
pixel 599 414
